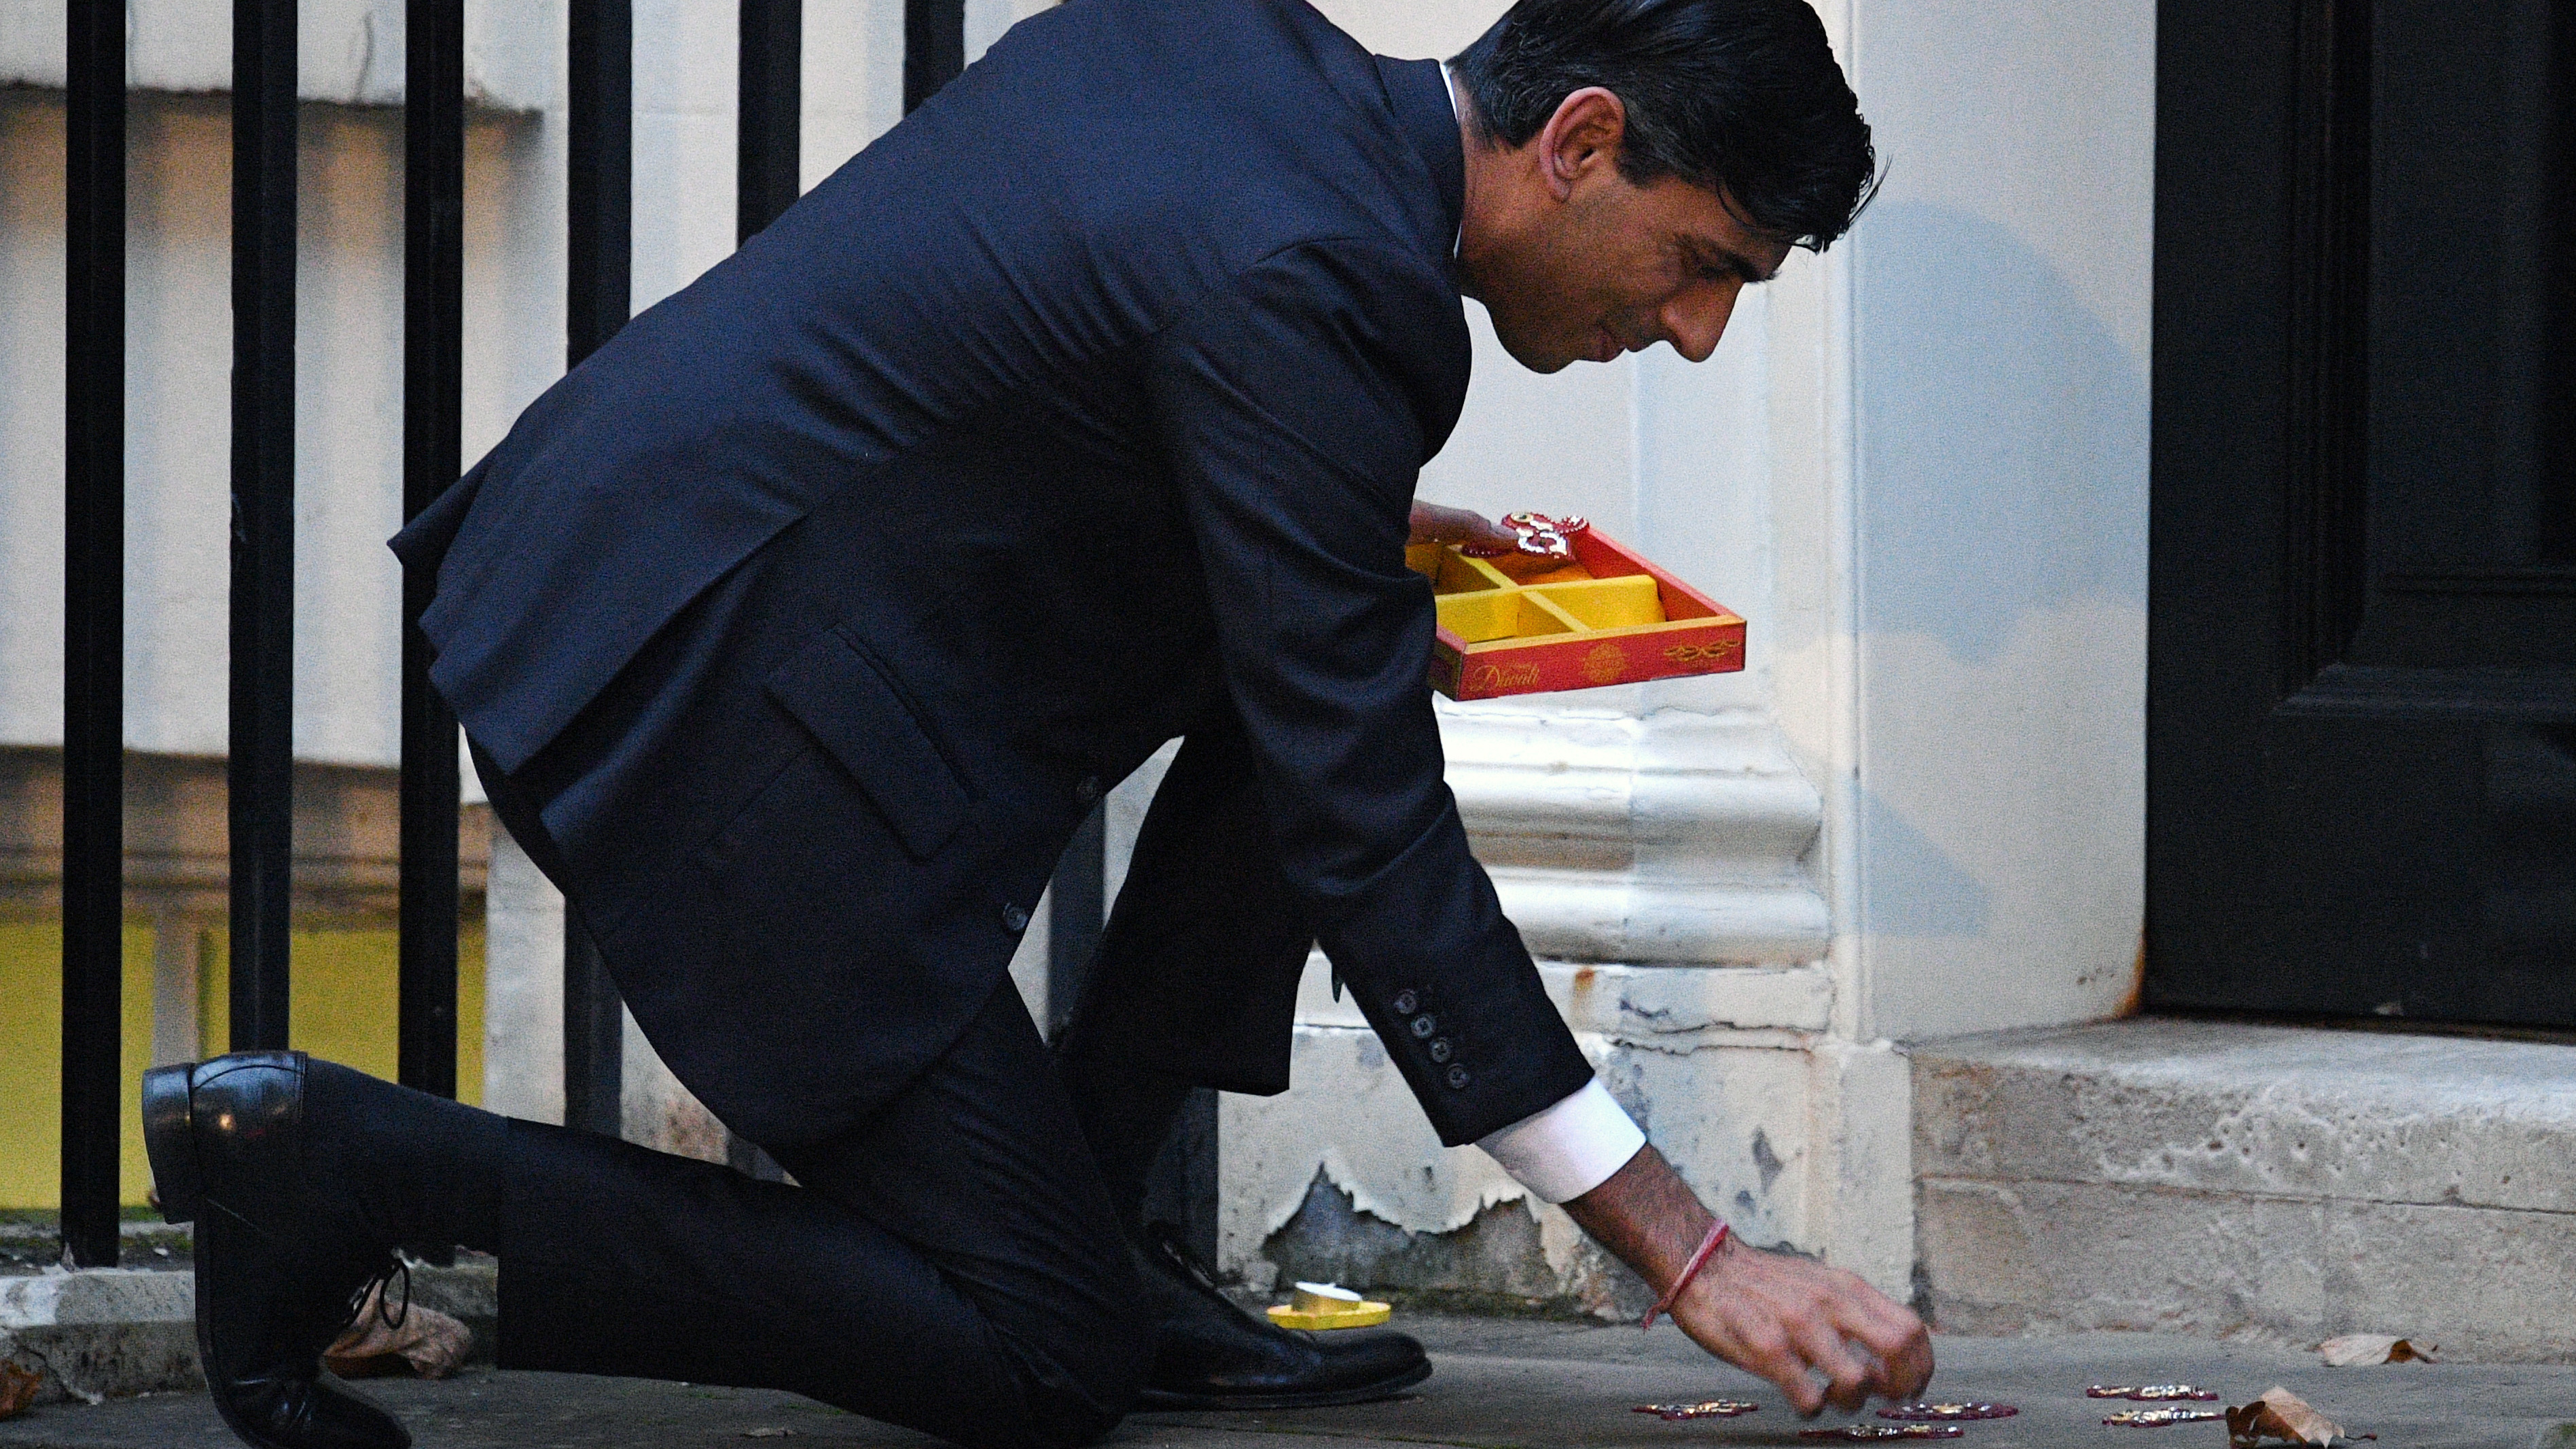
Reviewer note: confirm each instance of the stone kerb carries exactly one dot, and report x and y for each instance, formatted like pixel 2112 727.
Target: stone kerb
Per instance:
pixel 2273 1182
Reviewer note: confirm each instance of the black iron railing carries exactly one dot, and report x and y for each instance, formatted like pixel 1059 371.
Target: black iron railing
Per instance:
pixel 263 512
pixel 433 444
pixel 94 631
pixel 262 736
pixel 600 193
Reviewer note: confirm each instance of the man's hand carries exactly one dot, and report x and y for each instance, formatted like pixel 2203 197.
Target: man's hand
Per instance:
pixel 1435 524
pixel 1821 1334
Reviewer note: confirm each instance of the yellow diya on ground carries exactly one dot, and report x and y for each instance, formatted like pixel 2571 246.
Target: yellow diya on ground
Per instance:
pixel 1328 1305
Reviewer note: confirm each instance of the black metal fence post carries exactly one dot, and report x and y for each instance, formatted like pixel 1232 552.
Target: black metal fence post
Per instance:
pixel 934 47
pixel 433 442
pixel 1182 1187
pixel 594 1035
pixel 93 633
pixel 601 183
pixel 769 142
pixel 599 269
pixel 261 767
pixel 769 110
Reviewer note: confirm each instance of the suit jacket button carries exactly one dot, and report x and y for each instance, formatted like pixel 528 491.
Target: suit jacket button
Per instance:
pixel 1440 1050
pixel 1405 1002
pixel 1423 1026
pixel 1086 792
pixel 1458 1078
pixel 1014 919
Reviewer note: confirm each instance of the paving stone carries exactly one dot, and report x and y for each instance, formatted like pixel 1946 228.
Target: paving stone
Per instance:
pixel 1501 1384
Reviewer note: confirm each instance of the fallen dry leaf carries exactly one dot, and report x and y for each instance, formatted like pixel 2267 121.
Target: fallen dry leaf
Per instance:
pixel 17 1389
pixel 2280 1414
pixel 422 1340
pixel 2368 1348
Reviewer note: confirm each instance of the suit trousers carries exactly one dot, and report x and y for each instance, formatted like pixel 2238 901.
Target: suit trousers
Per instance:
pixel 951 1264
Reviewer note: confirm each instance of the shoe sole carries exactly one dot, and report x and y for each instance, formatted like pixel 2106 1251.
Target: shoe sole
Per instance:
pixel 170 1142
pixel 1163 1400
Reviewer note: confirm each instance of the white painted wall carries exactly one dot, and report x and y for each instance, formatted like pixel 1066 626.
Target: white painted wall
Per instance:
pixel 347 52
pixel 2001 295
pixel 178 359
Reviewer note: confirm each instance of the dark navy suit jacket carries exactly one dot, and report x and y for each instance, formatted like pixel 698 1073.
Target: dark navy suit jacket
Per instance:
pixel 1081 410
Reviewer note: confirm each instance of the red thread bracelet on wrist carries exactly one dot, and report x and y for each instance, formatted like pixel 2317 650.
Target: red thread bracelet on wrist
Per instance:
pixel 1708 1247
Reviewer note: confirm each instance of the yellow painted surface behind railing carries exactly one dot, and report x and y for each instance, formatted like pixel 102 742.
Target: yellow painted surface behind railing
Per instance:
pixel 342 1007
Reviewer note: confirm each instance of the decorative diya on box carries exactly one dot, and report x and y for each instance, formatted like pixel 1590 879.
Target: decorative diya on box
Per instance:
pixel 1569 609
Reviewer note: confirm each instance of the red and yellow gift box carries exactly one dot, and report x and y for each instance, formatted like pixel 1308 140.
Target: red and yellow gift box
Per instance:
pixel 1608 617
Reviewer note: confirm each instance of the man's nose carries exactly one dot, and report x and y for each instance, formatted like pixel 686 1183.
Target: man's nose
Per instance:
pixel 1696 319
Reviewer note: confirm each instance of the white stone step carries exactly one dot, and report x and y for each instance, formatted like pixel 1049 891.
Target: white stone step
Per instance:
pixel 2266 1182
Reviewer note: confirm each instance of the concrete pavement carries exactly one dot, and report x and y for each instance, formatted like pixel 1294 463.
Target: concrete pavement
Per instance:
pixel 1502 1384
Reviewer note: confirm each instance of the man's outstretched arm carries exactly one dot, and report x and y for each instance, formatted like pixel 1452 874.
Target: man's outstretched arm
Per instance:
pixel 1792 1320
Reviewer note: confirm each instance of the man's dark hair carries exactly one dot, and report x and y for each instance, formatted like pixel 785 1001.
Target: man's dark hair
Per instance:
pixel 1742 97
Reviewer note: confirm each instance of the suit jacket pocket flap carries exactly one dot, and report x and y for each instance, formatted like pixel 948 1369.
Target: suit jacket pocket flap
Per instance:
pixel 844 697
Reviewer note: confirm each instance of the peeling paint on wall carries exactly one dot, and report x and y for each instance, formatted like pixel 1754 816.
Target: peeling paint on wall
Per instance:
pixel 1343 1175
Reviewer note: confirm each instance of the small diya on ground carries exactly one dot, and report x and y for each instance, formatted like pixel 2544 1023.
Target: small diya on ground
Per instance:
pixel 1328 1305
pixel 1927 1413
pixel 1886 1431
pixel 2152 1393
pixel 1705 1409
pixel 2159 1418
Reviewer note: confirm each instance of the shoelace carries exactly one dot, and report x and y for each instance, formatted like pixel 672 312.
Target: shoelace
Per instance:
pixel 394 1267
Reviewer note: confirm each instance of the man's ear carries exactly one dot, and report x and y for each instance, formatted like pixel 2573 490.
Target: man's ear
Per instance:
pixel 1583 137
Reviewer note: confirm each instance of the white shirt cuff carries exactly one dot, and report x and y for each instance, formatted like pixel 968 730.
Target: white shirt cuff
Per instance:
pixel 1570 1148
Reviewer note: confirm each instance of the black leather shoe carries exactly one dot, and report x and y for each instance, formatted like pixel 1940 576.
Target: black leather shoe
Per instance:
pixel 1210 1354
pixel 277 1269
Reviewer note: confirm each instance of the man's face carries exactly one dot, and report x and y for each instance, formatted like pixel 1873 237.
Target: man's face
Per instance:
pixel 1593 265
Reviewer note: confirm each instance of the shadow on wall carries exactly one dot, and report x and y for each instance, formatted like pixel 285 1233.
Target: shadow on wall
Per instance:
pixel 2002 435
pixel 1915 887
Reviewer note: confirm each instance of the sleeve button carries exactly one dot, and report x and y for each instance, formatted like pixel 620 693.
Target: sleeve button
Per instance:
pixel 1458 1078
pixel 1014 919
pixel 1407 1002
pixel 1422 1027
pixel 1440 1050
pixel 1087 791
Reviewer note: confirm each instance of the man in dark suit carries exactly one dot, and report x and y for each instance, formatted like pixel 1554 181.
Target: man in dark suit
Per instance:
pixel 796 630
